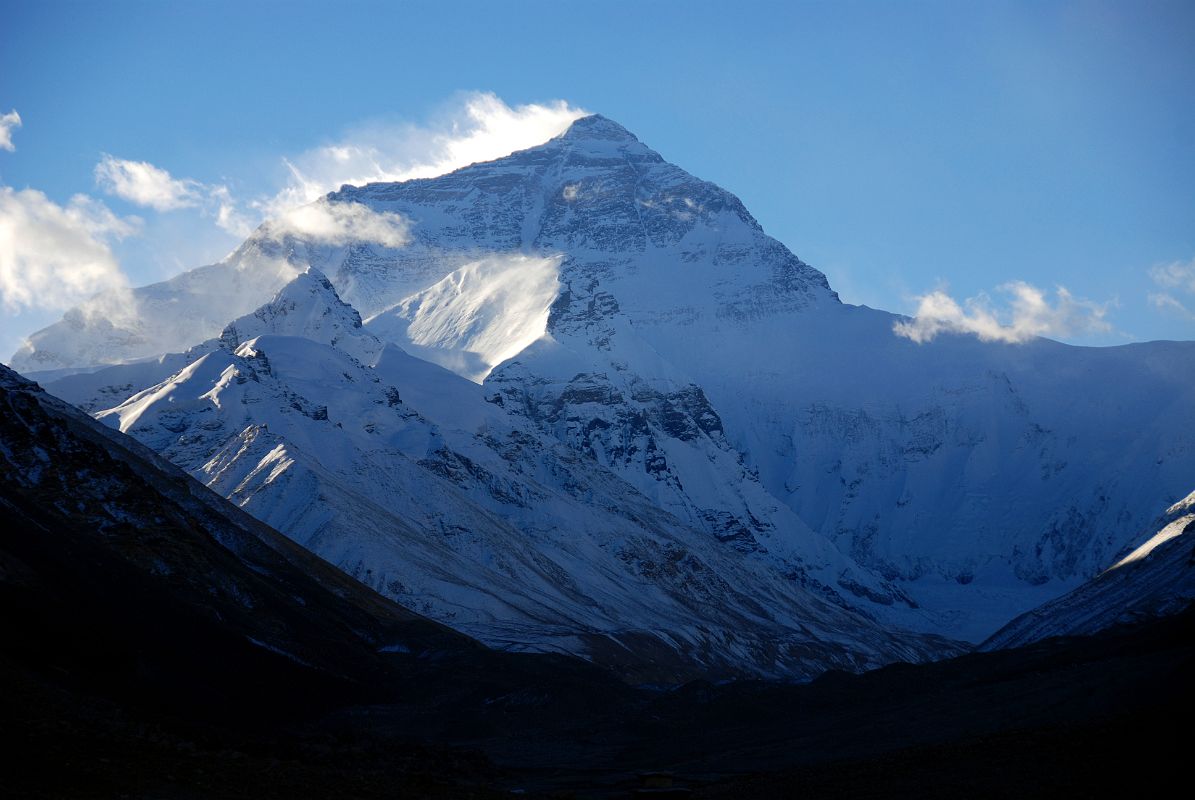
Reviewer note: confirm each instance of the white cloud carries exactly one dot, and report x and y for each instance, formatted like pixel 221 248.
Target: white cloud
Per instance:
pixel 8 123
pixel 340 223
pixel 1029 314
pixel 53 257
pixel 144 184
pixel 227 213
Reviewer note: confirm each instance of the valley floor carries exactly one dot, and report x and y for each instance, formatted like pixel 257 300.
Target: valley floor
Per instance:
pixel 1076 718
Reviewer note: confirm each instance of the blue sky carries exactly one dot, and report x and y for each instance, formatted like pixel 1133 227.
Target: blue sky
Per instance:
pixel 905 149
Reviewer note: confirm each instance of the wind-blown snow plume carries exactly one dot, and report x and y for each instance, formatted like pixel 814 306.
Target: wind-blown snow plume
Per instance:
pixel 53 257
pixel 478 316
pixel 8 123
pixel 1030 314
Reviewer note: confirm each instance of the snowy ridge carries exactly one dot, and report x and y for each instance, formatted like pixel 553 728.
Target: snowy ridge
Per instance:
pixel 308 306
pixel 1155 580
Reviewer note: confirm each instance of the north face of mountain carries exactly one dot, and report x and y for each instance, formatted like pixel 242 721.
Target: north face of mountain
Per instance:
pixel 639 317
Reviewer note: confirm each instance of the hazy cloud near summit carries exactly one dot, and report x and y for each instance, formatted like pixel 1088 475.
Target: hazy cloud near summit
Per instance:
pixel 479 128
pixel 8 123
pixel 1029 314
pixel 53 257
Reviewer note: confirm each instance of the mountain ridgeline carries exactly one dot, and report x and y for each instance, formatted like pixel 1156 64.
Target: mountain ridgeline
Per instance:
pixel 590 407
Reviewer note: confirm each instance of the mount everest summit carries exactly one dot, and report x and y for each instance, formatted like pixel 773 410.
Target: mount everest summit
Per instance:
pixel 584 403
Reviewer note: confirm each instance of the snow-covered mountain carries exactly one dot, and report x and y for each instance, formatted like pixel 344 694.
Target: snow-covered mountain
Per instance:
pixel 1155 579
pixel 636 325
pixel 469 514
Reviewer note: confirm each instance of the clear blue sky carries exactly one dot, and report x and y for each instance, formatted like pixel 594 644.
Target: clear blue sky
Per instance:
pixel 899 147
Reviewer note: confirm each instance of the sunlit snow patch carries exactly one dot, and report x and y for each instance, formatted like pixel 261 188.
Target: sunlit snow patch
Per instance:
pixel 1175 528
pixel 476 317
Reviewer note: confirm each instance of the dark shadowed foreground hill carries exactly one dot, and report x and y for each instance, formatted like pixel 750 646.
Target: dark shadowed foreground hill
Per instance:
pixel 157 642
pixel 136 601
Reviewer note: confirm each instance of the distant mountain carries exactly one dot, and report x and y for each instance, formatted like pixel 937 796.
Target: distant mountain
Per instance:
pixel 693 401
pixel 1156 579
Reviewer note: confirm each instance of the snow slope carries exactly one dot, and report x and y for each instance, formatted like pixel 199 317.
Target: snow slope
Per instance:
pixel 477 316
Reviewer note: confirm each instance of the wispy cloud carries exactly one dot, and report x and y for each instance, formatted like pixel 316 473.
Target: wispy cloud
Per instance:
pixel 53 257
pixel 1168 302
pixel 8 123
pixel 1175 275
pixel 1175 278
pixel 1029 313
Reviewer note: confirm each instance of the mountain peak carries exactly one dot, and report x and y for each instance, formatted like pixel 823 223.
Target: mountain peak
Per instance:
pixel 307 306
pixel 595 126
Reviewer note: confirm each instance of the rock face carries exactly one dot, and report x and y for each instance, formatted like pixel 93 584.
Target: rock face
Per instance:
pixel 688 375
